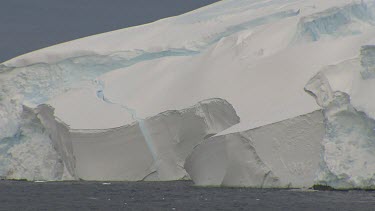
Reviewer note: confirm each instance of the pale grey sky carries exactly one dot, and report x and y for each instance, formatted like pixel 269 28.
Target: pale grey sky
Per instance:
pixel 27 25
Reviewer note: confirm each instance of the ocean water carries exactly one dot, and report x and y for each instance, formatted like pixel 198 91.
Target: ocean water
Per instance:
pixel 180 195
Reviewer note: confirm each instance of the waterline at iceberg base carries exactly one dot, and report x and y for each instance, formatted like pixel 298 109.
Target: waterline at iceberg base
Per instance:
pixel 265 94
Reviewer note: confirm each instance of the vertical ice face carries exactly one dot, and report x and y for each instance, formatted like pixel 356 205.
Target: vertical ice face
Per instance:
pixel 348 147
pixel 124 153
pixel 30 154
pixel 144 130
pixel 35 84
pixel 282 154
pixel 229 160
pixel 368 61
pixel 176 133
pixel 60 139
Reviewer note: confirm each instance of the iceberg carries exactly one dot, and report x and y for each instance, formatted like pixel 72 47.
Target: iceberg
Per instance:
pixel 239 93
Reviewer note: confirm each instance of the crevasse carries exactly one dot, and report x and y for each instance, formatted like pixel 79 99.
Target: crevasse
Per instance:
pixel 146 135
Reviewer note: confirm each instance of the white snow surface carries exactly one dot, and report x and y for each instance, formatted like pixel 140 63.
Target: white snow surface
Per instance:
pixel 258 55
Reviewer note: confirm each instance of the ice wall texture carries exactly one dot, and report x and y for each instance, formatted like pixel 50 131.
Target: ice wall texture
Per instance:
pixel 35 84
pixel 367 61
pixel 96 108
pixel 336 21
pixel 283 154
pixel 30 154
pixel 348 144
pixel 123 153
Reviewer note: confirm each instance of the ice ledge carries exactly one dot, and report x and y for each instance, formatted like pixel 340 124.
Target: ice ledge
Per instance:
pixel 122 153
pixel 282 154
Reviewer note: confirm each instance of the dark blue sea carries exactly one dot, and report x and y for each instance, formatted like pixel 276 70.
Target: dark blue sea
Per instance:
pixel 180 195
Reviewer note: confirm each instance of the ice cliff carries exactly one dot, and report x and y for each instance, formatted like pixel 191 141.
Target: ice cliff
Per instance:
pixel 124 155
pixel 342 90
pixel 281 95
pixel 282 154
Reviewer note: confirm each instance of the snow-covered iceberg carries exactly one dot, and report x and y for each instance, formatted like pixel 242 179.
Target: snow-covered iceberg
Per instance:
pixel 117 106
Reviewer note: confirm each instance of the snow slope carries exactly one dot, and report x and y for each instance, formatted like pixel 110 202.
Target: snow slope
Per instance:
pixel 256 55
